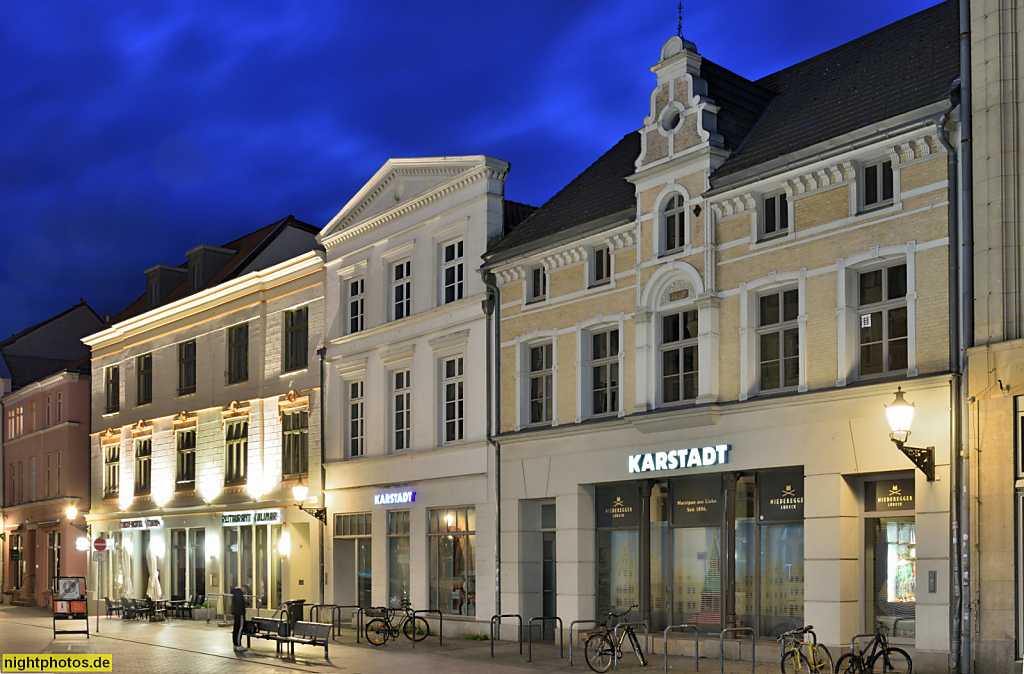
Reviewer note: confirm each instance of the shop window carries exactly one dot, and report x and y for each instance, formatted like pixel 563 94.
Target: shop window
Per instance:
pixel 679 356
pixel 144 379
pixel 185 452
pixel 890 555
pixel 295 440
pixel 451 548
pixel 882 315
pixel 111 469
pixel 238 353
pixel 296 339
pixel 236 442
pixel 357 527
pixel 399 576
pixel 143 464
pixel 618 536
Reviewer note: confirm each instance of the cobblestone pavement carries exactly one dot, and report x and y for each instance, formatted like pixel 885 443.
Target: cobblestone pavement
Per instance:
pixel 196 646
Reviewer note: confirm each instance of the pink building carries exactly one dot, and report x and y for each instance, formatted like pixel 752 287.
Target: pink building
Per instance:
pixel 45 458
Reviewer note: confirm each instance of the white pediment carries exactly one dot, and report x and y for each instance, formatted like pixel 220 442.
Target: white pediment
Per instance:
pixel 401 184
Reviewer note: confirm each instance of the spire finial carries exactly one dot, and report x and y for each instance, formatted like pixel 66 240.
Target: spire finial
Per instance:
pixel 679 27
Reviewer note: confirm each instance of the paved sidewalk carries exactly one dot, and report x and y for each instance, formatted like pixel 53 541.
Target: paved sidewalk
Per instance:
pixel 196 646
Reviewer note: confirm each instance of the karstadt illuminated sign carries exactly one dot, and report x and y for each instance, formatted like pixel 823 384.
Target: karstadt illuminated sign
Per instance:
pixel 394 497
pixel 679 458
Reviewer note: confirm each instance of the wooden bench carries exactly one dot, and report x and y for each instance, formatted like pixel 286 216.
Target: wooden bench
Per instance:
pixel 312 634
pixel 268 628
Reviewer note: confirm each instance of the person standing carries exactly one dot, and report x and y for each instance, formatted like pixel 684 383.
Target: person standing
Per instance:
pixel 238 611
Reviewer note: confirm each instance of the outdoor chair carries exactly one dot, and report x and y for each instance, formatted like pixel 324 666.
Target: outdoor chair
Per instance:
pixel 127 610
pixel 113 608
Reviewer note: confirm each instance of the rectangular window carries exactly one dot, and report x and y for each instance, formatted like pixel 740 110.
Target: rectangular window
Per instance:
pixel 679 356
pixel 356 304
pixel 675 222
pixel 238 353
pixel 58 471
pixel 538 284
pixel 451 543
pixel 776 216
pixel 111 469
pixel 353 524
pixel 296 338
pixel 236 442
pixel 295 427
pixel 112 387
pixel 602 265
pixel 451 272
pixel 12 497
pixel 541 384
pixel 453 399
pixel 399 576
pixel 401 289
pixel 17 560
pixel 356 437
pixel 402 396
pixel 186 460
pixel 60 406
pixel 779 339
pixel 21 482
pixel 143 466
pixel 144 378
pixel 891 561
pixel 52 553
pixel 49 475
pixel 877 184
pixel 32 478
pixel 604 370
pixel 187 368
pixel 882 312
pixel 48 416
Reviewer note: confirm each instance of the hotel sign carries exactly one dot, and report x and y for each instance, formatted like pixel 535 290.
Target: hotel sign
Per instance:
pixel 780 496
pixel 396 497
pixel 679 458
pixel 889 495
pixel 249 517
pixel 143 523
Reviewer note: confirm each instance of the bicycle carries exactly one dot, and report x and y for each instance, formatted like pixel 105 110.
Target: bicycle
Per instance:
pixel 878 656
pixel 380 629
pixel 799 655
pixel 602 649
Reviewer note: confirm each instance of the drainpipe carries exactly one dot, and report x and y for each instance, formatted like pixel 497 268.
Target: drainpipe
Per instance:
pixel 955 366
pixel 322 352
pixel 967 331
pixel 492 311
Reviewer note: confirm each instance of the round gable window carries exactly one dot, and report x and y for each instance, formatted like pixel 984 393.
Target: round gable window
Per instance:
pixel 670 119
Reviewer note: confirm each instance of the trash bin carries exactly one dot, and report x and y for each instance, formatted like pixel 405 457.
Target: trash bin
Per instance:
pixel 294 611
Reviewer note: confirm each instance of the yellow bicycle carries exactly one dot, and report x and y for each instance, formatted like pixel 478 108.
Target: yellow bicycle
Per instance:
pixel 802 656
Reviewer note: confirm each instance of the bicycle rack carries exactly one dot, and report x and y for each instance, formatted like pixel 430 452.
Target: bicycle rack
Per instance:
pixel 696 645
pixel 571 638
pixel 721 644
pixel 336 610
pixel 440 625
pixel 561 638
pixel 853 641
pixel 496 620
pixel 615 639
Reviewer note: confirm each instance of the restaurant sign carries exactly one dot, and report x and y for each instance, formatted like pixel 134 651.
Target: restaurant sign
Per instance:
pixel 143 523
pixel 249 517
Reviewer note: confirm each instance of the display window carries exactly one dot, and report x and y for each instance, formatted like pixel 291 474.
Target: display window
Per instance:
pixel 399 566
pixel 890 556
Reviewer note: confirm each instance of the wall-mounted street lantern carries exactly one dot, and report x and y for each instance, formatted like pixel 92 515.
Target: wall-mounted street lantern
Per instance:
pixel 900 414
pixel 300 491
pixel 72 513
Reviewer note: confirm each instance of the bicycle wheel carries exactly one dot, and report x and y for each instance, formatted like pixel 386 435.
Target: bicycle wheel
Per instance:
pixel 634 640
pixel 376 632
pixel 892 661
pixel 599 652
pixel 794 662
pixel 850 664
pixel 422 628
pixel 821 660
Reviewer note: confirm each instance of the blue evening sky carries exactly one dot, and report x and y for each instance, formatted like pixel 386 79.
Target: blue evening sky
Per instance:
pixel 133 131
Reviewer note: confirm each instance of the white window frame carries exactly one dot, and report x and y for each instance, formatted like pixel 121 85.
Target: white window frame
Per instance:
pixel 400 430
pixel 781 207
pixel 848 307
pixel 862 184
pixel 456 265
pixel 782 327
pixel 523 377
pixel 675 220
pixel 750 364
pixel 236 451
pixel 600 257
pixel 453 399
pixel 400 308
pixel 355 417
pixel 143 467
pixel 585 364
pixel 355 304
pixel 536 284
pixel 680 345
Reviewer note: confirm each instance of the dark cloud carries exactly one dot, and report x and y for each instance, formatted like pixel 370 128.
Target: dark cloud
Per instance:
pixel 130 132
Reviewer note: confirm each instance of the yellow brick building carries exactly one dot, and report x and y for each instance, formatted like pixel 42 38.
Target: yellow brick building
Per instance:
pixel 697 338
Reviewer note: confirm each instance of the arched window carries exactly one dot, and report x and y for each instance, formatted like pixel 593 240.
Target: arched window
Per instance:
pixel 674 218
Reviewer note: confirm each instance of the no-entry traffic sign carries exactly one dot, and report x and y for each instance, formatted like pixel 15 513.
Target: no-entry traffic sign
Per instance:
pixel 100 544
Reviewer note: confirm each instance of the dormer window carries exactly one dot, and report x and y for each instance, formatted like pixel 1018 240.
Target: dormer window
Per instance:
pixel 674 219
pixel 195 274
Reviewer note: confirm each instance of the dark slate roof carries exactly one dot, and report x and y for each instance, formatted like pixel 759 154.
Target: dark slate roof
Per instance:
pixel 27 369
pixel 513 214
pixel 601 190
pixel 741 102
pixel 896 69
pixel 246 249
